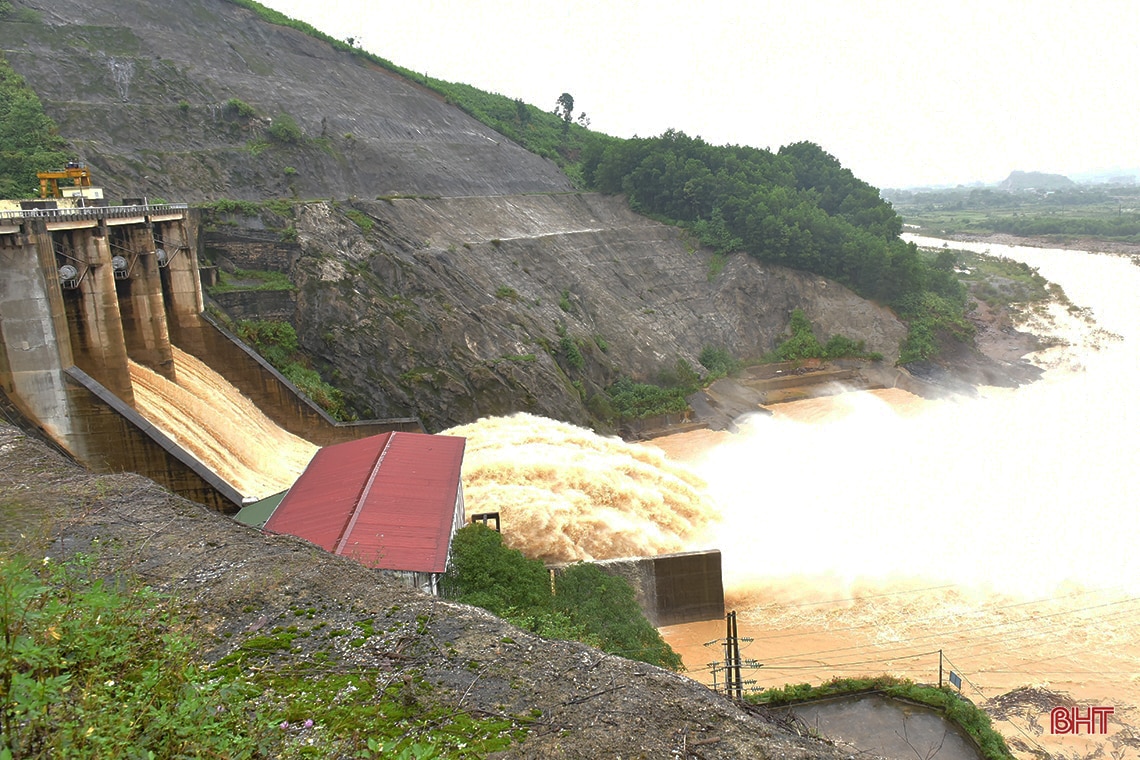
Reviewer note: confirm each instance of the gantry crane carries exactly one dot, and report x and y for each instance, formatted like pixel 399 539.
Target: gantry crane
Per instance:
pixel 76 171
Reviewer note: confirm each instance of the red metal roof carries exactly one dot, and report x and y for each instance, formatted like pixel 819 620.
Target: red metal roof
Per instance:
pixel 387 501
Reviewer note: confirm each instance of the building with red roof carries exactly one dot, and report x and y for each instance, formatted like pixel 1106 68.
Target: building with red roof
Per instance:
pixel 390 501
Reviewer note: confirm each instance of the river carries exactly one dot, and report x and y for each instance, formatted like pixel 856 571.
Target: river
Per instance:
pixel 864 532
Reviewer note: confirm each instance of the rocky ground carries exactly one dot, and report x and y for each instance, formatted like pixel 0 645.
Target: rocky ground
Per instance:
pixel 240 583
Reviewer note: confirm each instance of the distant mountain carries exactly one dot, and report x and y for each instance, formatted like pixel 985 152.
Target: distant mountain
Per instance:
pixel 1035 181
pixel 1114 176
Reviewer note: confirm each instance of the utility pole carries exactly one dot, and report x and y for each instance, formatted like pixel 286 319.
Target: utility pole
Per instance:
pixel 939 668
pixel 733 661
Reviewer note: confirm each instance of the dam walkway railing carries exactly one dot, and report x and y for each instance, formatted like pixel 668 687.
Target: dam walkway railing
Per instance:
pixel 94 212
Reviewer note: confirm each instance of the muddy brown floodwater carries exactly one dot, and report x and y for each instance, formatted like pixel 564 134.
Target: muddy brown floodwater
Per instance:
pixel 1019 654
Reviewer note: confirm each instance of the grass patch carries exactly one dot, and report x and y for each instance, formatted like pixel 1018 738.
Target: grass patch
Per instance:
pixel 88 670
pixel 277 343
pixel 241 280
pixel 953 706
pixel 362 220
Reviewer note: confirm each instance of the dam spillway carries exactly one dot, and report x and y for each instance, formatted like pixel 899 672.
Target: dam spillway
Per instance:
pixel 93 298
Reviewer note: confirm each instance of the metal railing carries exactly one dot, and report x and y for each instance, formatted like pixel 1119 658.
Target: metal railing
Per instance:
pixel 93 212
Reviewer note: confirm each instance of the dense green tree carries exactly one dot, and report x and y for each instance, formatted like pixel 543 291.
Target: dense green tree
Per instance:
pixel 29 141
pixel 606 606
pixel 565 107
pixel 487 574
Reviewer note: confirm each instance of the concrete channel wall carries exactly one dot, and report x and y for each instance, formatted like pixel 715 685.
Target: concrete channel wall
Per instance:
pixel 674 588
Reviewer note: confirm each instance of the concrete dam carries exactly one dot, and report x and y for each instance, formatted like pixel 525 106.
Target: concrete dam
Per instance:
pixel 92 293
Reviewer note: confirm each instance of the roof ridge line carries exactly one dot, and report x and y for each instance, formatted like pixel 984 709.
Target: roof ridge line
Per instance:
pixel 340 544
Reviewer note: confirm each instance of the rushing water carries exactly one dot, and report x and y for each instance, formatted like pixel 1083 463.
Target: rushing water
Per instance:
pixel 1016 490
pixel 566 494
pixel 222 428
pixel 1012 490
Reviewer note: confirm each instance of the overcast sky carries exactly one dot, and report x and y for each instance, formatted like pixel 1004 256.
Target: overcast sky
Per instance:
pixel 904 94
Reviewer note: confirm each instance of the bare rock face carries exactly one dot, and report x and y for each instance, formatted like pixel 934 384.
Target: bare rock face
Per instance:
pixel 461 307
pixel 145 90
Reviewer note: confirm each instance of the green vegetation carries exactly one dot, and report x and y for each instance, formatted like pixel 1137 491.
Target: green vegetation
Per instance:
pixel 249 279
pixel 802 344
pixel 569 351
pixel 90 668
pixel 799 208
pixel 240 108
pixel 277 343
pixel 228 206
pixel 88 671
pixel 1109 212
pixel 587 604
pixel 285 129
pixel 718 362
pixel 1005 283
pixel 628 400
pixel 362 220
pixel 29 140
pixel 955 708
pixel 506 293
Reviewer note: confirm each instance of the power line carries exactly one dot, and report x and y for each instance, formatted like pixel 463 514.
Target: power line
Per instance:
pixel 939 616
pixel 982 694
pixel 860 598
pixel 960 631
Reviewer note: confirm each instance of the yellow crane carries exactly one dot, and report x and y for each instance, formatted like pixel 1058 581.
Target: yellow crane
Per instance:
pixel 75 171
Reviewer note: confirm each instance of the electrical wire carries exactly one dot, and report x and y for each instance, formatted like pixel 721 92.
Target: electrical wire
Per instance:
pixel 971 629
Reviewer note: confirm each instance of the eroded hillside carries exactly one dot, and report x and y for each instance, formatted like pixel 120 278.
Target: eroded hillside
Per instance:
pixel 151 94
pixel 462 307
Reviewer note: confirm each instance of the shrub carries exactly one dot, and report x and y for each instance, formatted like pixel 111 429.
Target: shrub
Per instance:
pixel 570 351
pixel 588 605
pixel 284 129
pixel 277 342
pixel 717 361
pixel 506 293
pixel 802 344
pixel 240 108
pixel 631 400
pixel 606 607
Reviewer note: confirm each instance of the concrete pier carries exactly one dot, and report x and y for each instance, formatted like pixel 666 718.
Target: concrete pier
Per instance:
pixel 84 289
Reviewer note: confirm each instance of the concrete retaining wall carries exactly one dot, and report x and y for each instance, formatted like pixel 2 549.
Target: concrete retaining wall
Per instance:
pixel 674 588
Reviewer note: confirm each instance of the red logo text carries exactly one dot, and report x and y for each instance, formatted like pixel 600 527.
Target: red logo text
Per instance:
pixel 1069 720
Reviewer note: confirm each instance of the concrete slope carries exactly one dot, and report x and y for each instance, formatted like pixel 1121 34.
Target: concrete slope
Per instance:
pixel 141 86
